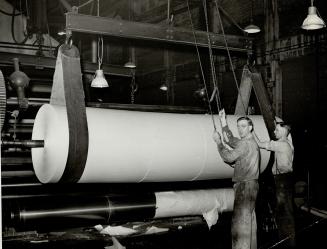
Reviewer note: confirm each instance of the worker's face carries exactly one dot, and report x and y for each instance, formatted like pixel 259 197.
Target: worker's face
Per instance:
pixel 243 128
pixel 279 131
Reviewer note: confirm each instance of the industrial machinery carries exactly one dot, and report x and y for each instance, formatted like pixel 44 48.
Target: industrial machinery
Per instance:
pixel 91 163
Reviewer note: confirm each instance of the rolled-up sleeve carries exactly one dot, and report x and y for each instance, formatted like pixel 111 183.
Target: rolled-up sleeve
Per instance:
pixel 232 155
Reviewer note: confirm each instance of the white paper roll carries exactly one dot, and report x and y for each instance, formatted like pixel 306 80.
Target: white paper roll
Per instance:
pixel 133 146
pixel 193 202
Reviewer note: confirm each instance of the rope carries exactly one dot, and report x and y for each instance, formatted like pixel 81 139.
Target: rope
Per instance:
pixel 229 57
pixel 212 66
pixel 84 4
pixel 200 64
pixel 231 18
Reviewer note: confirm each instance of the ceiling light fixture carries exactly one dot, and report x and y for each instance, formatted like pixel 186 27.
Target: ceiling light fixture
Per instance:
pixel 252 29
pixel 200 92
pixel 130 64
pixel 61 32
pixel 163 87
pixel 99 80
pixel 313 21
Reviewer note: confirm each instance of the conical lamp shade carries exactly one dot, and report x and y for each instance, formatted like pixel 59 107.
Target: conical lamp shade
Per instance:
pixel 99 81
pixel 313 21
pixel 252 29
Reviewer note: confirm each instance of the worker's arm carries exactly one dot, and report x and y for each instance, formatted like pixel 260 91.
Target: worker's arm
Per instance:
pixel 229 156
pixel 262 145
pixel 229 138
pixel 271 145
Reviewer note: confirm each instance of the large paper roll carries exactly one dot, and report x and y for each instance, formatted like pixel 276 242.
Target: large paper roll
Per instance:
pixel 133 146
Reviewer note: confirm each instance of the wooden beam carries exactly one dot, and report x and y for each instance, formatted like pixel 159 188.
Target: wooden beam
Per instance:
pixel 244 94
pixel 266 108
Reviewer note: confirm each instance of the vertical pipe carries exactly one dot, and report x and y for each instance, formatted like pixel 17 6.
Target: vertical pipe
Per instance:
pixel 16 64
pixel 168 10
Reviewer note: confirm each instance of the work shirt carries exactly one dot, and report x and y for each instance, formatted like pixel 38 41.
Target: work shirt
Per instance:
pixel 245 154
pixel 284 153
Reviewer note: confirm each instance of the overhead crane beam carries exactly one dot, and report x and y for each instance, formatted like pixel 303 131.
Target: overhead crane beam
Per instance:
pixel 151 32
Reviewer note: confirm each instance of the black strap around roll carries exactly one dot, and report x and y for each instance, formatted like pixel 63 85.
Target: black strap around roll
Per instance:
pixel 67 90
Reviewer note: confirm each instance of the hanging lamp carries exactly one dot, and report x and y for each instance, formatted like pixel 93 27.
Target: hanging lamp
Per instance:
pixel 131 51
pixel 99 80
pixel 313 21
pixel 130 64
pixel 164 87
pixel 200 92
pixel 251 28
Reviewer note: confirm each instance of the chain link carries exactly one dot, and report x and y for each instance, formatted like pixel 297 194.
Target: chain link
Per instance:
pixel 134 87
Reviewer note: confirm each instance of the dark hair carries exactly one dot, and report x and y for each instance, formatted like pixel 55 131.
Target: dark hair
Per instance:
pixel 284 125
pixel 247 119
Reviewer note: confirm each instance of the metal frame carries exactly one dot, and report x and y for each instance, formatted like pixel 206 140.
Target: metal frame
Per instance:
pixel 50 62
pixel 145 31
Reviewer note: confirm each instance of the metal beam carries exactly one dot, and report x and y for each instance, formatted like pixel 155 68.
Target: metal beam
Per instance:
pixel 37 102
pixel 50 62
pixel 151 32
pixel 149 108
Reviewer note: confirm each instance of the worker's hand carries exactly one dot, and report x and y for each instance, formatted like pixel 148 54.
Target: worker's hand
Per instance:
pixel 216 137
pixel 226 139
pixel 222 117
pixel 222 113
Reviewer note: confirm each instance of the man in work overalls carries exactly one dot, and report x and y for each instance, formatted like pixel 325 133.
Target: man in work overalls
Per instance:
pixel 245 155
